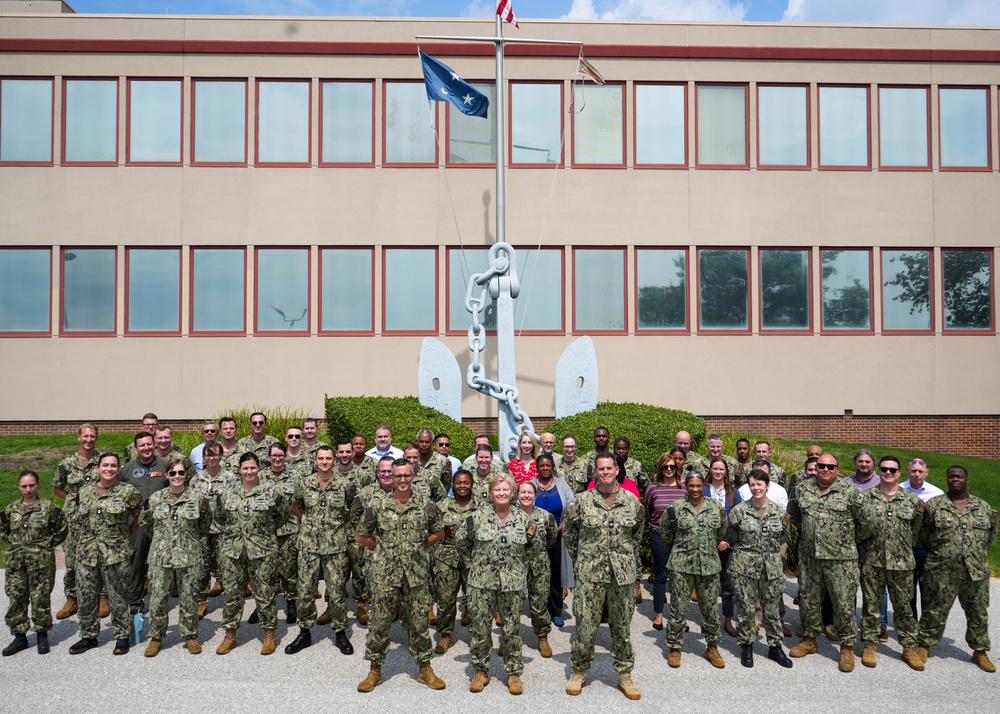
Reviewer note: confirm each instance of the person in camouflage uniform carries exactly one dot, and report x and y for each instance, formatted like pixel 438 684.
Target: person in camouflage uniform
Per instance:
pixel 887 562
pixel 958 531
pixel 227 437
pixel 691 530
pixel 250 515
pixel 539 567
pixel 602 530
pixel 73 473
pixel 602 439
pixel 177 519
pixel 571 469
pixel 426 481
pixel 358 555
pixel 164 446
pixel 297 458
pixel 813 452
pixel 755 532
pixel 105 513
pixel 434 464
pixel 323 501
pixel 450 568
pixel 363 466
pixel 310 439
pixel 32 527
pixel 744 462
pixel 830 518
pixel 210 484
pixel 284 479
pixel 483 469
pixel 693 461
pixel 713 448
pixel 637 472
pixel 348 469
pixel 148 425
pixel 257 441
pixel 762 450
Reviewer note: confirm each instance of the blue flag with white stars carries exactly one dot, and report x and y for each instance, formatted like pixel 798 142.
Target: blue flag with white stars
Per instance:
pixel 444 85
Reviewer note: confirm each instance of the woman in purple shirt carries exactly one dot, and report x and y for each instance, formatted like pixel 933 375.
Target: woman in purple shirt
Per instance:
pixel 665 489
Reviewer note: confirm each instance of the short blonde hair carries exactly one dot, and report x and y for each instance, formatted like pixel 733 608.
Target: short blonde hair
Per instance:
pixel 502 478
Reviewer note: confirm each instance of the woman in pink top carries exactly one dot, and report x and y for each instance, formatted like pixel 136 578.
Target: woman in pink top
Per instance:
pixel 665 489
pixel 522 466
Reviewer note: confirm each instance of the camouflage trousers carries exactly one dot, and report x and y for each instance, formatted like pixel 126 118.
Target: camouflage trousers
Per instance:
pixel 483 605
pixel 358 558
pixel 333 568
pixel 260 573
pixel 539 585
pixel 447 580
pixel 411 603
pixel 589 601
pixel 210 562
pixel 288 566
pixel 30 581
pixel 940 587
pixel 161 581
pixel 69 548
pixel 88 587
pixel 838 578
pixel 747 592
pixel 874 582
pixel 681 586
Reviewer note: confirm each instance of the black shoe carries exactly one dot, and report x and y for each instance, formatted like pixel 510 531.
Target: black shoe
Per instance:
pixel 291 611
pixel 87 643
pixel 254 617
pixel 343 644
pixel 121 647
pixel 746 655
pixel 657 625
pixel 730 630
pixel 42 642
pixel 303 640
pixel 20 643
pixel 776 654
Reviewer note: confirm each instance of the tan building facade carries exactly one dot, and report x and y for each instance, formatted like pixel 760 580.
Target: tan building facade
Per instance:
pixel 199 213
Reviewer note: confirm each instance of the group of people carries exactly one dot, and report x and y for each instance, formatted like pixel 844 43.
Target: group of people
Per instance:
pixel 409 529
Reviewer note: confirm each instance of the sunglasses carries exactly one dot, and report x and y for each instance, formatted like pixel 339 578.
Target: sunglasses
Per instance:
pixel 257 423
pixel 209 431
pixel 294 436
pixel 668 468
pixel 826 467
pixel 177 472
pixel 888 470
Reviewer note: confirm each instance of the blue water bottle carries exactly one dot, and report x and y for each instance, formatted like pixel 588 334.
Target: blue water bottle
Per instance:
pixel 138 622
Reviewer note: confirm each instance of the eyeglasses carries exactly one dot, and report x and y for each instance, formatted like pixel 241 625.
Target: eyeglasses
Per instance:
pixel 177 472
pixel 257 423
pixel 294 436
pixel 888 470
pixel 669 467
pixel 826 467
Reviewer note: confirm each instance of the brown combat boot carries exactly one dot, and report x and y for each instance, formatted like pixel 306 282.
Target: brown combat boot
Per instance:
pixel 638 593
pixel 577 681
pixel 982 660
pixel 912 658
pixel 327 617
pixel 543 647
pixel 192 646
pixel 427 676
pixel 432 617
pixel 69 609
pixel 202 609
pixel 923 652
pixel 373 679
pixel 479 681
pixel 153 648
pixel 627 687
pixel 269 642
pixel 714 658
pixel 514 685
pixel 362 612
pixel 466 619
pixel 104 607
pixel 228 642
pixel 216 589
pixel 674 659
pixel 444 645
pixel 846 663
pixel 868 656
pixel 806 646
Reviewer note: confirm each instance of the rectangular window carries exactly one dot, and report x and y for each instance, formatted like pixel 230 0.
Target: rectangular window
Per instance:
pixel 661 124
pixel 782 126
pixel 906 291
pixel 409 125
pixel 846 281
pixel 89 280
pixel 219 126
pixel 346 302
pixel 723 290
pixel 218 291
pixel 282 286
pixel 599 290
pixel 409 288
pixel 598 125
pixel 154 122
pixel 90 121
pixel 661 290
pixel 785 290
pixel 283 122
pixel 347 123
pixel 536 115
pixel 722 125
pixel 844 136
pixel 903 127
pixel 25 291
pixel 964 114
pixel 968 290
pixel 153 291
pixel 26 121
pixel 473 140
pixel 538 309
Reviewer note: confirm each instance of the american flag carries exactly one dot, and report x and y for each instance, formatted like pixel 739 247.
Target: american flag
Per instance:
pixel 505 9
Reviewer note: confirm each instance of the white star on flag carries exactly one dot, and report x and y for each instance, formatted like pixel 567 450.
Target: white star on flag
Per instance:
pixel 467 99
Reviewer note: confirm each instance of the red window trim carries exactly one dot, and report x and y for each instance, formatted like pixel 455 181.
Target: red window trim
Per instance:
pixel 309 123
pixel 746 126
pixel 41 333
pixel 305 331
pixel 52 122
pixel 118 100
pixel 787 167
pixel 62 292
pixel 447 147
pixel 932 283
pixel 819 127
pixel 635 119
pixel 128 122
pixel 346 164
pixel 687 293
pixel 748 330
pixel 625 316
pixel 808 330
pixel 385 133
pixel 561 163
pixel 319 302
pixel 191 297
pixel 572 141
pixel 246 123
pixel 180 290
pixel 823 330
pixel 993 302
pixel 927 97
pixel 437 292
pixel 989 130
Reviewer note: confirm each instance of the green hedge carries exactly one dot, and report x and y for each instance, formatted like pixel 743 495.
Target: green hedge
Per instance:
pixel 347 416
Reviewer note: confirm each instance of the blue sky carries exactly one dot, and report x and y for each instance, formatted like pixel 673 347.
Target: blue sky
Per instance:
pixel 936 12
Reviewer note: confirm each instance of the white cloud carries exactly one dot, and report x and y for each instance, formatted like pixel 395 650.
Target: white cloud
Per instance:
pixel 718 10
pixel 895 12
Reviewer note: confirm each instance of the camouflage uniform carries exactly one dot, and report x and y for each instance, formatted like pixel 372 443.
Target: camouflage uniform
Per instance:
pixel 303 464
pixel 589 460
pixel 794 480
pixel 131 453
pixel 261 448
pixel 437 469
pixel 364 473
pixel 692 537
pixel 311 450
pixel 248 550
pixel 450 567
pixel 741 472
pixel 887 562
pixel 602 542
pixel 322 548
pixel 957 565
pixel 481 486
pixel 574 474
pixel 30 561
pixel 358 556
pixel 104 553
pixel 72 474
pixel 695 462
pixel 399 572
pixel 176 529
pixel 497 551
pixel 231 459
pixel 637 472
pixel 540 570
pixel 288 533
pixel 830 524
pixel 755 567
pixel 778 475
pixel 210 488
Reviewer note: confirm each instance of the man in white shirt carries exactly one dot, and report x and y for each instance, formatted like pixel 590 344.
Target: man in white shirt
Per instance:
pixel 774 492
pixel 209 430
pixel 383 444
pixel 918 486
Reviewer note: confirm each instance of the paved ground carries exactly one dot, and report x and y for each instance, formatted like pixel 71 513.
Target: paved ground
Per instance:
pixel 321 679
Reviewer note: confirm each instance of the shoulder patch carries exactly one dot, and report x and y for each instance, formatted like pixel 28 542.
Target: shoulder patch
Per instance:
pixel 993 518
pixel 921 507
pixel 786 520
pixel 532 528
